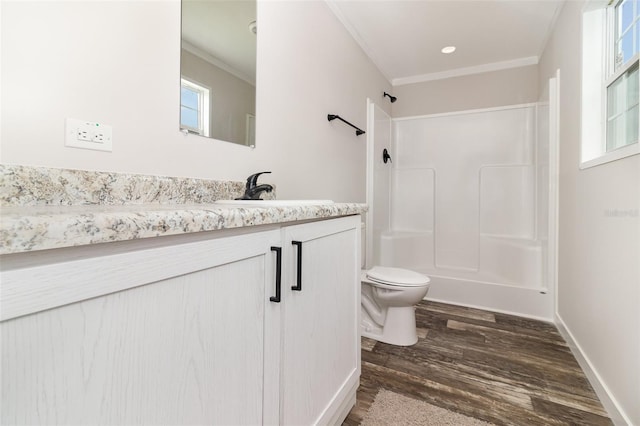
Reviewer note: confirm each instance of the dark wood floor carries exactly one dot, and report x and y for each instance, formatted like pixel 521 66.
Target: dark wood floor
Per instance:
pixel 499 368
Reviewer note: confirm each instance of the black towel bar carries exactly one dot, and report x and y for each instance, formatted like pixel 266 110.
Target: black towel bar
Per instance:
pixel 331 117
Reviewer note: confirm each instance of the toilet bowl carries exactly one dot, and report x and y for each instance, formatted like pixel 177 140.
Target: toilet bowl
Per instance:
pixel 389 296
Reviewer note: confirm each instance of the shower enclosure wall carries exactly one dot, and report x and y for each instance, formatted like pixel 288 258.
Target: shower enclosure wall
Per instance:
pixel 466 202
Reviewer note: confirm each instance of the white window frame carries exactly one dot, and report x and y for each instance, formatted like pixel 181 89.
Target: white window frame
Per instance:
pixel 203 128
pixel 598 60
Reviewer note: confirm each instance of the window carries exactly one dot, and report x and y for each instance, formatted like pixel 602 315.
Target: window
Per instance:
pixel 622 87
pixel 610 112
pixel 625 16
pixel 194 107
pixel 622 110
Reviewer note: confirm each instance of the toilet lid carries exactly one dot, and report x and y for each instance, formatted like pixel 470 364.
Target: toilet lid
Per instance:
pixel 397 276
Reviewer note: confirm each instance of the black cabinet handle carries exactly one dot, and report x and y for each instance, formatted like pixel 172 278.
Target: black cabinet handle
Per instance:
pixel 298 286
pixel 278 251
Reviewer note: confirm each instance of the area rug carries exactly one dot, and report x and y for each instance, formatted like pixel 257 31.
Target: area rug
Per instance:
pixel 392 409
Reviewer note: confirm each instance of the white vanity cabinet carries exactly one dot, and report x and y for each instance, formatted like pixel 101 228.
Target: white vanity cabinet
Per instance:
pixel 163 335
pixel 184 330
pixel 320 314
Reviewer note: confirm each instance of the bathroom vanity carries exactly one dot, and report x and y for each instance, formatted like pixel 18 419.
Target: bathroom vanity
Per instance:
pixel 254 322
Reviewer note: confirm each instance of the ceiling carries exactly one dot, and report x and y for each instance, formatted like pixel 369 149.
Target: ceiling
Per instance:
pixel 404 38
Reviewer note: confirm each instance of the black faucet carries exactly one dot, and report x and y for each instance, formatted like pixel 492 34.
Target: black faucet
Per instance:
pixel 252 190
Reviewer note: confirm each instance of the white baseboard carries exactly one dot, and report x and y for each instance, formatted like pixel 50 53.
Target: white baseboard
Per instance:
pixel 610 404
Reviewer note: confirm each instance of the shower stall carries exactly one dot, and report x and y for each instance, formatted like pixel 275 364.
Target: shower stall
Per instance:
pixel 469 200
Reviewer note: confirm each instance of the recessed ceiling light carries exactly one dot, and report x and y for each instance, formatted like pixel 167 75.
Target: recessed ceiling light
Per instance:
pixel 448 49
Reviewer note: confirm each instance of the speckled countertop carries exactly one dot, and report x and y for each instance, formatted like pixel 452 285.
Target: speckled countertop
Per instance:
pixel 45 227
pixel 52 208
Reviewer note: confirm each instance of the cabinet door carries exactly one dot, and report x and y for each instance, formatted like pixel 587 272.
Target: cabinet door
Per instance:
pixel 186 349
pixel 321 357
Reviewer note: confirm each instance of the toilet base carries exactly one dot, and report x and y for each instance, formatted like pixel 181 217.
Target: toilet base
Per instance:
pixel 399 327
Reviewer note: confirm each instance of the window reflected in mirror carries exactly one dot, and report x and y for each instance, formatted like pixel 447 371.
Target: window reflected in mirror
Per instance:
pixel 194 107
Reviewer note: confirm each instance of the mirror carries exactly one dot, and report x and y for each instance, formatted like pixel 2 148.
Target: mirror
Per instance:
pixel 218 69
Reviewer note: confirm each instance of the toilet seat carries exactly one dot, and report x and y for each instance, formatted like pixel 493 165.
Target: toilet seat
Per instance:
pixel 397 277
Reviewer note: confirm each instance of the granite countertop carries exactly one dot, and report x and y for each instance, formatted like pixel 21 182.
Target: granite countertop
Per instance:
pixel 31 228
pixel 45 208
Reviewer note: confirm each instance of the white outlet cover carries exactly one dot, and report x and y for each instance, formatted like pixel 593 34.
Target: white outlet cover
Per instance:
pixel 88 135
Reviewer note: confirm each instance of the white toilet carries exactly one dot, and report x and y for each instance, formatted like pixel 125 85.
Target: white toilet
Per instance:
pixel 389 296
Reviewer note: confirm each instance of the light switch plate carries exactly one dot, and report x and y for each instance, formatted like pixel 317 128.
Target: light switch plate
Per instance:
pixel 88 135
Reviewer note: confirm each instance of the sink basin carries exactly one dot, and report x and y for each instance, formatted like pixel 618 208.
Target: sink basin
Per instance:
pixel 274 203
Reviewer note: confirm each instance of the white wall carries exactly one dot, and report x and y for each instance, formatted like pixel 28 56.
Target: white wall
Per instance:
pixel 118 63
pixel 485 90
pixel 310 66
pixel 599 252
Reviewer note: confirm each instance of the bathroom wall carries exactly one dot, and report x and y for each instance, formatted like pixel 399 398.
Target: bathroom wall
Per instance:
pixel 311 66
pixel 118 63
pixel 599 238
pixel 485 90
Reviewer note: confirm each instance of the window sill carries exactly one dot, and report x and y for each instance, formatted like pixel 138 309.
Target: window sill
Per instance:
pixel 623 152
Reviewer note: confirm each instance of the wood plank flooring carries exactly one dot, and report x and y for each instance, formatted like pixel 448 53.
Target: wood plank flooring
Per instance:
pixel 498 368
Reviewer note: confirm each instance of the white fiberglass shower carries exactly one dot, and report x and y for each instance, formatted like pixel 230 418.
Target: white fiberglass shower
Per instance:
pixel 469 200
